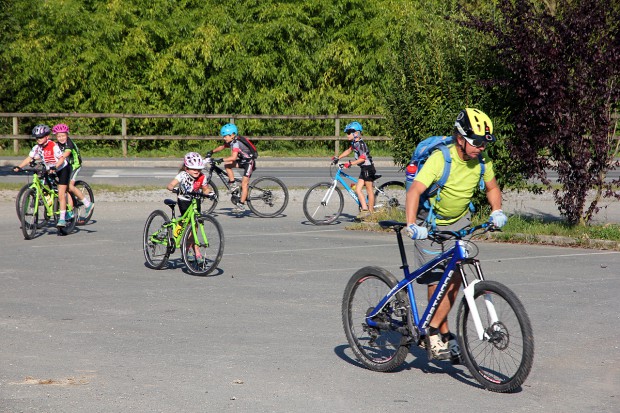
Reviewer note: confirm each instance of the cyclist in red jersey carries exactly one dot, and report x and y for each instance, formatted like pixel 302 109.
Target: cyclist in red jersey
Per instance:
pixel 54 161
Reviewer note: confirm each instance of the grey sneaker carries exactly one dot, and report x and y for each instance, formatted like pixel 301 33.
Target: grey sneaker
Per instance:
pixel 239 208
pixel 439 349
pixel 233 187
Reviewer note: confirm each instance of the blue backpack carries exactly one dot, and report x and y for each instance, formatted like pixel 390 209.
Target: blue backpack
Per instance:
pixel 418 159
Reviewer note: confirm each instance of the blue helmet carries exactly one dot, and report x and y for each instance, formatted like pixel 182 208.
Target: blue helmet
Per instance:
pixel 353 127
pixel 228 129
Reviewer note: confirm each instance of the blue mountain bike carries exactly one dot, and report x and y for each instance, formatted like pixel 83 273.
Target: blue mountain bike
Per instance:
pixel 381 320
pixel 323 203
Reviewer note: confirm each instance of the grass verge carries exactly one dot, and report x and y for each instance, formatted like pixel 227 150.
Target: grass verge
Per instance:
pixel 528 230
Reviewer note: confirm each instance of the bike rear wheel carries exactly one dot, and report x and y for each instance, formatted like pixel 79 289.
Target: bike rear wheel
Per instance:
pixel 502 360
pixel 156 240
pixel 319 212
pixel 267 197
pixel 32 213
pixel 69 222
pixel 207 205
pixel 210 242
pixel 391 195
pixel 381 348
pixel 86 190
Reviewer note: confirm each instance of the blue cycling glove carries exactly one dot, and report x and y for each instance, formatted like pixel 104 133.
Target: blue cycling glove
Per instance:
pixel 417 232
pixel 498 218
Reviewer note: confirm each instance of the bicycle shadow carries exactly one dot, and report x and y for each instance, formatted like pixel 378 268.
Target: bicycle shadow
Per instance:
pixel 421 363
pixel 342 219
pixel 247 213
pixel 177 263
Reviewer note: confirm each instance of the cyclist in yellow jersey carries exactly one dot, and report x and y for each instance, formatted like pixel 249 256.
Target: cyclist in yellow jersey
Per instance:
pixel 473 130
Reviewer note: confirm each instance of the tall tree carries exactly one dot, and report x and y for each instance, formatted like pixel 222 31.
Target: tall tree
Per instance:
pixel 439 68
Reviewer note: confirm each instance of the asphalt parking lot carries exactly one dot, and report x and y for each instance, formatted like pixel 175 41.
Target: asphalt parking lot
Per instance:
pixel 85 326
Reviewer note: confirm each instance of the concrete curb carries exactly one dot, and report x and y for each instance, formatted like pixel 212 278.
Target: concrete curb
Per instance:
pixel 265 161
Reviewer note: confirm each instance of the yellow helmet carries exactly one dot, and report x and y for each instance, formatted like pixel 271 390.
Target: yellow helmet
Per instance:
pixel 474 125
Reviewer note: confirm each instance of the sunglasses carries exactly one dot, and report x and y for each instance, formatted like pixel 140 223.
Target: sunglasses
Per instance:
pixel 477 142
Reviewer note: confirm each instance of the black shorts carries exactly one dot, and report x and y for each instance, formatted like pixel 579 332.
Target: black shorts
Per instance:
pixel 183 205
pixel 64 175
pixel 367 173
pixel 248 167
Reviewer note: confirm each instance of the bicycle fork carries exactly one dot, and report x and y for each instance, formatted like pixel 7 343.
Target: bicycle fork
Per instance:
pixel 471 302
pixel 329 193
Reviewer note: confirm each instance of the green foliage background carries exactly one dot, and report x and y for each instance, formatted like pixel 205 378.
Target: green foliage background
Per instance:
pixel 220 57
pixel 417 62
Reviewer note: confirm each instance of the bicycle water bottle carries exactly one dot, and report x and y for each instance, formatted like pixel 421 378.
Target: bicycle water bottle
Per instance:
pixel 177 230
pixel 410 172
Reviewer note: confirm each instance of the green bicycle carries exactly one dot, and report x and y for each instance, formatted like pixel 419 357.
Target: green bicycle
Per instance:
pixel 198 235
pixel 40 204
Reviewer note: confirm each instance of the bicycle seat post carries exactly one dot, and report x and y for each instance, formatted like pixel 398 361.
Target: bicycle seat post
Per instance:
pixel 401 248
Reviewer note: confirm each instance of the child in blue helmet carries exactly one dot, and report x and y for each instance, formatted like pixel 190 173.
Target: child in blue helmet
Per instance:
pixel 241 157
pixel 364 160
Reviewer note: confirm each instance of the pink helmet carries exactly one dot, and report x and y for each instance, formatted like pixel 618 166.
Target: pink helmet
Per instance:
pixel 60 128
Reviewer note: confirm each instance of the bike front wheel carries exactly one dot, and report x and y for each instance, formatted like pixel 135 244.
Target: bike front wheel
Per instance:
pixel 391 195
pixel 18 200
pixel 385 346
pixel 502 360
pixel 157 238
pixel 80 209
pixel 203 250
pixel 32 212
pixel 267 197
pixel 321 210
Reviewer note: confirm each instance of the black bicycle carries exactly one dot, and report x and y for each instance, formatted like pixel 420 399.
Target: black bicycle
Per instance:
pixel 267 196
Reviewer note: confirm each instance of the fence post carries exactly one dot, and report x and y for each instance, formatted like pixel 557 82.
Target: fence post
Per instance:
pixel 337 145
pixel 124 136
pixel 15 132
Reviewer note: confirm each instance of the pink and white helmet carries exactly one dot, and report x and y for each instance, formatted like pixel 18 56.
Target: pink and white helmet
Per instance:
pixel 60 128
pixel 193 160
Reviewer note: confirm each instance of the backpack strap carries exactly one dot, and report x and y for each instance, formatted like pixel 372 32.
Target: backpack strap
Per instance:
pixel 482 170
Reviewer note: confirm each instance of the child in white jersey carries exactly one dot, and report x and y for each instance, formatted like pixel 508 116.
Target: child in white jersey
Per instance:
pixel 190 179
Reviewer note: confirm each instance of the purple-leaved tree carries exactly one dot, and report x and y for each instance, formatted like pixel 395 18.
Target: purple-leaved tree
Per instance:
pixel 564 68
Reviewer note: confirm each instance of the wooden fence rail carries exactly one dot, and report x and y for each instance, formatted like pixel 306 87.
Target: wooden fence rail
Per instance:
pixel 124 137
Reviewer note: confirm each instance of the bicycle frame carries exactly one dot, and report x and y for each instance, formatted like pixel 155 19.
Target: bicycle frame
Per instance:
pixel 187 218
pixel 219 172
pixel 456 256
pixel 43 187
pixel 340 178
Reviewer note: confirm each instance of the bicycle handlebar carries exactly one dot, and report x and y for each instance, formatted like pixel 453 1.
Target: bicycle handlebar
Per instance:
pixel 444 235
pixel 216 161
pixel 192 194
